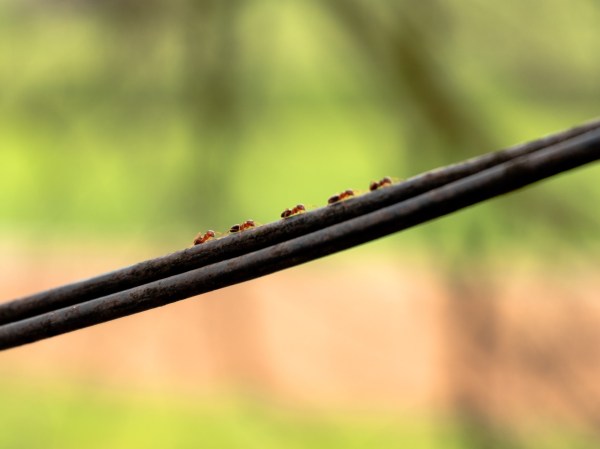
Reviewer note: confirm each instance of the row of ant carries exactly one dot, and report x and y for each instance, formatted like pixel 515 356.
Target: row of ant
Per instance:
pixel 298 209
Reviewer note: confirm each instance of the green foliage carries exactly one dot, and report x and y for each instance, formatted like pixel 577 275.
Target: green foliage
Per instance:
pixel 62 416
pixel 155 119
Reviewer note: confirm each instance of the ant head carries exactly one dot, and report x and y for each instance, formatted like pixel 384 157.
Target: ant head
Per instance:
pixel 300 207
pixel 249 223
pixel 386 180
pixel 210 233
pixel 349 192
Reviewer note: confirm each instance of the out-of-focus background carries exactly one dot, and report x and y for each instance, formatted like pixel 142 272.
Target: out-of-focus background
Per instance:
pixel 126 127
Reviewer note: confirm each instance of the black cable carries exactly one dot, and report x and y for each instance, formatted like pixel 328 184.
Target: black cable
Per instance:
pixel 500 179
pixel 264 236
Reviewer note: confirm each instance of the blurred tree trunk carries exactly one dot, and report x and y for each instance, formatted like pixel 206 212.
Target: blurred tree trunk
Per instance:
pixel 209 88
pixel 212 92
pixel 399 42
pixel 472 348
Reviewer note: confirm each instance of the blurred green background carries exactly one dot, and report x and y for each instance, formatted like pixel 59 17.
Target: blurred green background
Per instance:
pixel 154 118
pixel 149 121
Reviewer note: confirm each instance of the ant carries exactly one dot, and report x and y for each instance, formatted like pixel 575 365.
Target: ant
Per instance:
pixel 200 238
pixel 340 196
pixel 387 181
pixel 293 211
pixel 242 227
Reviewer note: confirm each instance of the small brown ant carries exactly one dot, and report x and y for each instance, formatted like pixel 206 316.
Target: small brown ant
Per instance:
pixel 242 227
pixel 293 211
pixel 247 225
pixel 340 196
pixel 387 181
pixel 201 238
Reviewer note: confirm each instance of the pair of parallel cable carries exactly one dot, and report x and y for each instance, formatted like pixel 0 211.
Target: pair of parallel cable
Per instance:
pixel 295 240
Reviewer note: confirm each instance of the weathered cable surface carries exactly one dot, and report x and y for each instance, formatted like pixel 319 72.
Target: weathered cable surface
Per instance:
pixel 456 195
pixel 264 236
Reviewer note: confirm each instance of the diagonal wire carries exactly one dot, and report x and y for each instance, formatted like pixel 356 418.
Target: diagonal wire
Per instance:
pixel 497 180
pixel 266 235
